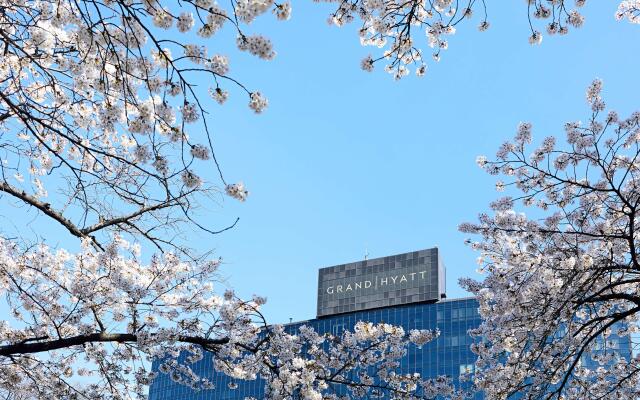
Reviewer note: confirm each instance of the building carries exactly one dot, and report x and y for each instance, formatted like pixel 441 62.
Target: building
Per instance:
pixel 407 290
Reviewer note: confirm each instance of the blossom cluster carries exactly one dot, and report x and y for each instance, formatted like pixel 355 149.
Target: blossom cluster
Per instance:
pixel 237 191
pixel 559 296
pixel 137 311
pixel 629 9
pixel 104 100
pixel 312 364
pixel 106 315
pixel 398 27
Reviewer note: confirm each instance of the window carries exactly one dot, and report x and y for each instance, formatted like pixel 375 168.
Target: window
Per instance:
pixel 337 329
pixel 463 313
pixel 467 369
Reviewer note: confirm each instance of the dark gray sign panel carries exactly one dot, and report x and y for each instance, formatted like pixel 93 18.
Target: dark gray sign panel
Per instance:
pixel 405 278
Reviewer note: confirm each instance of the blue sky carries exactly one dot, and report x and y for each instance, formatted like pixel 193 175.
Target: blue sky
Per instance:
pixel 345 161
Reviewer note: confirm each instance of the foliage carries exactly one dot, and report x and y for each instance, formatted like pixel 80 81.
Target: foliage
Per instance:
pixel 561 288
pixel 104 316
pixel 104 132
pixel 398 26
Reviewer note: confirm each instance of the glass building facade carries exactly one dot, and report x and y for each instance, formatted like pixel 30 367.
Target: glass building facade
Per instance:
pixel 405 290
pixel 448 355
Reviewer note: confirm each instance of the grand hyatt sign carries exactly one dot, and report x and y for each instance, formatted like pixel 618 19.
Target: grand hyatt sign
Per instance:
pixel 381 282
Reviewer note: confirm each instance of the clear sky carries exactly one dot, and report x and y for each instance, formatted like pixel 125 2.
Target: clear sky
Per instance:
pixel 343 161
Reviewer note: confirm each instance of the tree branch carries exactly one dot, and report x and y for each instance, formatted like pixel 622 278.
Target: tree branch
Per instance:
pixel 47 210
pixel 24 347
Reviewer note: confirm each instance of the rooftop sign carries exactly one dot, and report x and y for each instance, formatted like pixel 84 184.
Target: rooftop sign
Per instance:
pixel 400 279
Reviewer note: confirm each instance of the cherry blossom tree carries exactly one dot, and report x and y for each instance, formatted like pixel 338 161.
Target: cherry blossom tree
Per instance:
pixel 89 324
pixel 561 285
pixel 398 26
pixel 104 133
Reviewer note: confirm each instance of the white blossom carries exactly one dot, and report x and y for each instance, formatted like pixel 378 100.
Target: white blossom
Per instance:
pixel 258 102
pixel 185 22
pixel 535 38
pixel 190 112
pixel 556 283
pixel 629 9
pixel 248 10
pixel 200 152
pixel 283 11
pixel 237 191
pixel 257 45
pixel 367 64
pixel 190 179
pixel 219 64
pixel 219 95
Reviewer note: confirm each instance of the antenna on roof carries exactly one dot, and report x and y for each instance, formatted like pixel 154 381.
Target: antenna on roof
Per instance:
pixel 366 253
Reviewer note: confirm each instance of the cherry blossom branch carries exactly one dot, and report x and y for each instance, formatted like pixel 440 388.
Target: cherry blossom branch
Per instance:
pixel 27 347
pixel 560 285
pixel 47 210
